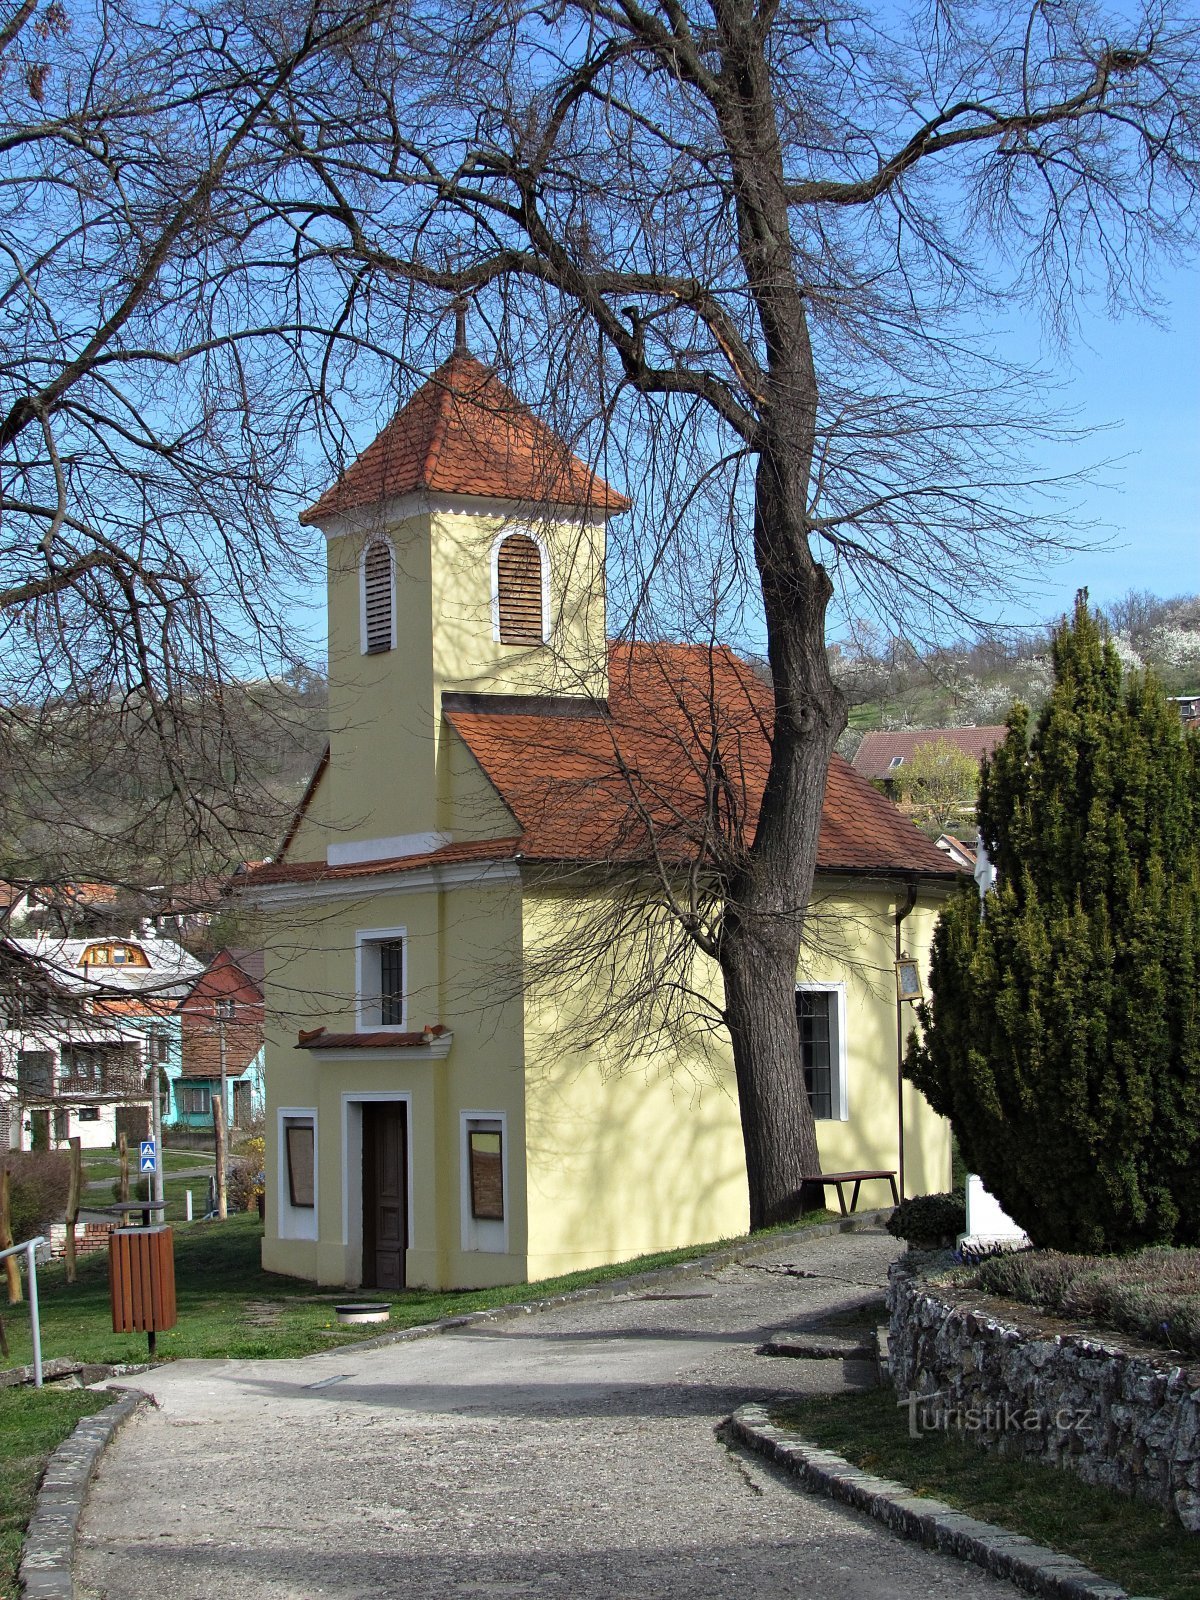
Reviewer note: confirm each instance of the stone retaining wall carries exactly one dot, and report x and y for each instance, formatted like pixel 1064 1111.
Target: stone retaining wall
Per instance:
pixel 1127 1421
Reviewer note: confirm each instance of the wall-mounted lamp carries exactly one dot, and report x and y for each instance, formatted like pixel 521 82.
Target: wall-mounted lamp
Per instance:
pixel 908 979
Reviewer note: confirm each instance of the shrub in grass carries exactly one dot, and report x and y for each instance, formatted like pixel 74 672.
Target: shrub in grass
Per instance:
pixel 38 1184
pixel 1154 1295
pixel 929 1219
pixel 139 1188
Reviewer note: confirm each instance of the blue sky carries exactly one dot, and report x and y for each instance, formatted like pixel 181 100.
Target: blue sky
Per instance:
pixel 1142 382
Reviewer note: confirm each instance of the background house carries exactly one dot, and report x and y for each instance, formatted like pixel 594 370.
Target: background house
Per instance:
pixel 221 1035
pixel 87 1026
pixel 883 752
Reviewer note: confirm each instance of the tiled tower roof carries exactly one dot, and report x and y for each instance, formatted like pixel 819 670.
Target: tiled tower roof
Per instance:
pixel 464 433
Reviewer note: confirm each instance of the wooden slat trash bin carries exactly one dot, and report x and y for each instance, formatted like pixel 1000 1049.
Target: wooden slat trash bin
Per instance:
pixel 141 1271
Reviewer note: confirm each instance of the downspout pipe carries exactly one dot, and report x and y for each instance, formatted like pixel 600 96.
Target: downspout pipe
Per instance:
pixel 903 908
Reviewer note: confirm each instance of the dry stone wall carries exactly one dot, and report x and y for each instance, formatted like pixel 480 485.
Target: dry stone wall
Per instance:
pixel 1125 1420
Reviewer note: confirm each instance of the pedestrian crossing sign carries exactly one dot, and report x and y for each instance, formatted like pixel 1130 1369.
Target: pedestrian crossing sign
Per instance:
pixel 147 1160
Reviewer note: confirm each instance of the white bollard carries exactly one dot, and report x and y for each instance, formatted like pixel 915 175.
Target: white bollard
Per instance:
pixel 187 1205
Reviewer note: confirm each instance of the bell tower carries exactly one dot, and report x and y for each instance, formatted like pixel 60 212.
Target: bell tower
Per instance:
pixel 465 555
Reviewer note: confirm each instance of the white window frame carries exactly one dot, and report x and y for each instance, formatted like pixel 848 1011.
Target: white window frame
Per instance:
pixel 544 555
pixel 479 1234
pixel 375 539
pixel 296 1222
pixel 839 1053
pixel 363 939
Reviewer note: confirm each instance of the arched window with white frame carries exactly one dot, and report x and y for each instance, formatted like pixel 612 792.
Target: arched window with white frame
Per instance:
pixel 377 598
pixel 520 590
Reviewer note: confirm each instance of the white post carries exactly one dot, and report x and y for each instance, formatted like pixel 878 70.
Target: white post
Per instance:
pixel 29 1250
pixel 35 1325
pixel 156 1186
pixel 187 1205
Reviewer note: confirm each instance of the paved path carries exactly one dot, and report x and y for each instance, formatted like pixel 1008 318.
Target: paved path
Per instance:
pixel 569 1455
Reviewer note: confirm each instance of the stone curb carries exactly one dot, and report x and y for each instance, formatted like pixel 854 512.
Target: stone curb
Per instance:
pixel 930 1522
pixel 57 1367
pixel 684 1271
pixel 48 1554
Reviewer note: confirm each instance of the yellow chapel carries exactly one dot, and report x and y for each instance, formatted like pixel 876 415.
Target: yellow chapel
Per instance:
pixel 440 1110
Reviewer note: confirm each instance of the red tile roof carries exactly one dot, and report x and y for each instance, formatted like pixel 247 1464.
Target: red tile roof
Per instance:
pixel 589 782
pixel 273 872
pixel 877 751
pixel 682 722
pixel 463 432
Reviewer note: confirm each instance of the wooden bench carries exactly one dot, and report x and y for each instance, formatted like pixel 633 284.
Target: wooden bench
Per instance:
pixel 837 1179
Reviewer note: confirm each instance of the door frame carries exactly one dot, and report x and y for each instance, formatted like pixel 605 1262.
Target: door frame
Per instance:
pixel 352 1163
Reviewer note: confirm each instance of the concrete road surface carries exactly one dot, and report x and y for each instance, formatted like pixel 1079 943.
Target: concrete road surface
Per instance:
pixel 571 1455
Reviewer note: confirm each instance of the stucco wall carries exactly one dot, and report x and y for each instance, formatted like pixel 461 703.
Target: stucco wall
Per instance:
pixel 636 1149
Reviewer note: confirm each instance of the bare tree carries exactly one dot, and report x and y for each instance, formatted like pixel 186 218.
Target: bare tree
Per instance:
pixel 760 243
pixel 158 364
pixel 749 250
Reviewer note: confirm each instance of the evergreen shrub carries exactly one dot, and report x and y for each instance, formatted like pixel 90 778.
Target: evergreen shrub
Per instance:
pixel 928 1219
pixel 1062 1034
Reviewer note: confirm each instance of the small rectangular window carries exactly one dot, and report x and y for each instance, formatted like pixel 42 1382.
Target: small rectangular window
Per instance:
pixel 301 1153
pixel 35 1070
pixel 88 1113
pixel 487 1174
pixel 381 978
pixel 391 982
pixel 194 1099
pixel 814 1012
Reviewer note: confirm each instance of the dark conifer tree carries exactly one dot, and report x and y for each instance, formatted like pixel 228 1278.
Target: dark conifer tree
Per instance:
pixel 1062 1038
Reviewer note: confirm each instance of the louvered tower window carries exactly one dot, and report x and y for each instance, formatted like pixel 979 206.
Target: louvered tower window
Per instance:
pixel 377 599
pixel 519 591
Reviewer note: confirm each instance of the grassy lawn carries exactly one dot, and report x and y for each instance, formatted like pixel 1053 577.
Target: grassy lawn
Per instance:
pixel 31 1424
pixel 99 1164
pixel 1135 1544
pixel 228 1306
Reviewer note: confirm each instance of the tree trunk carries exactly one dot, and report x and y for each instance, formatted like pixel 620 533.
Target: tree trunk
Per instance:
pixel 778 1131
pixel 762 925
pixel 73 1193
pixel 123 1174
pixel 12 1271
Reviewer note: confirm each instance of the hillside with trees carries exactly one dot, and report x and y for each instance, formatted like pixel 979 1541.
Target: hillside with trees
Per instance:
pixel 889 683
pixel 83 799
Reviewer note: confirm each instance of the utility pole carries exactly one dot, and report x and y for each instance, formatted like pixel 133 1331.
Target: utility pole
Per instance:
pixel 224 1011
pixel 218 1116
pixel 156 1182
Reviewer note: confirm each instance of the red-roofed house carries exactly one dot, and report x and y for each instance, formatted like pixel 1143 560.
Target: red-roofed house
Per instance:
pixel 465 1080
pixel 882 754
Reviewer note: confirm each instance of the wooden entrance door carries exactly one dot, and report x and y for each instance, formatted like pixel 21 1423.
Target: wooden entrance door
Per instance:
pixel 385 1195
